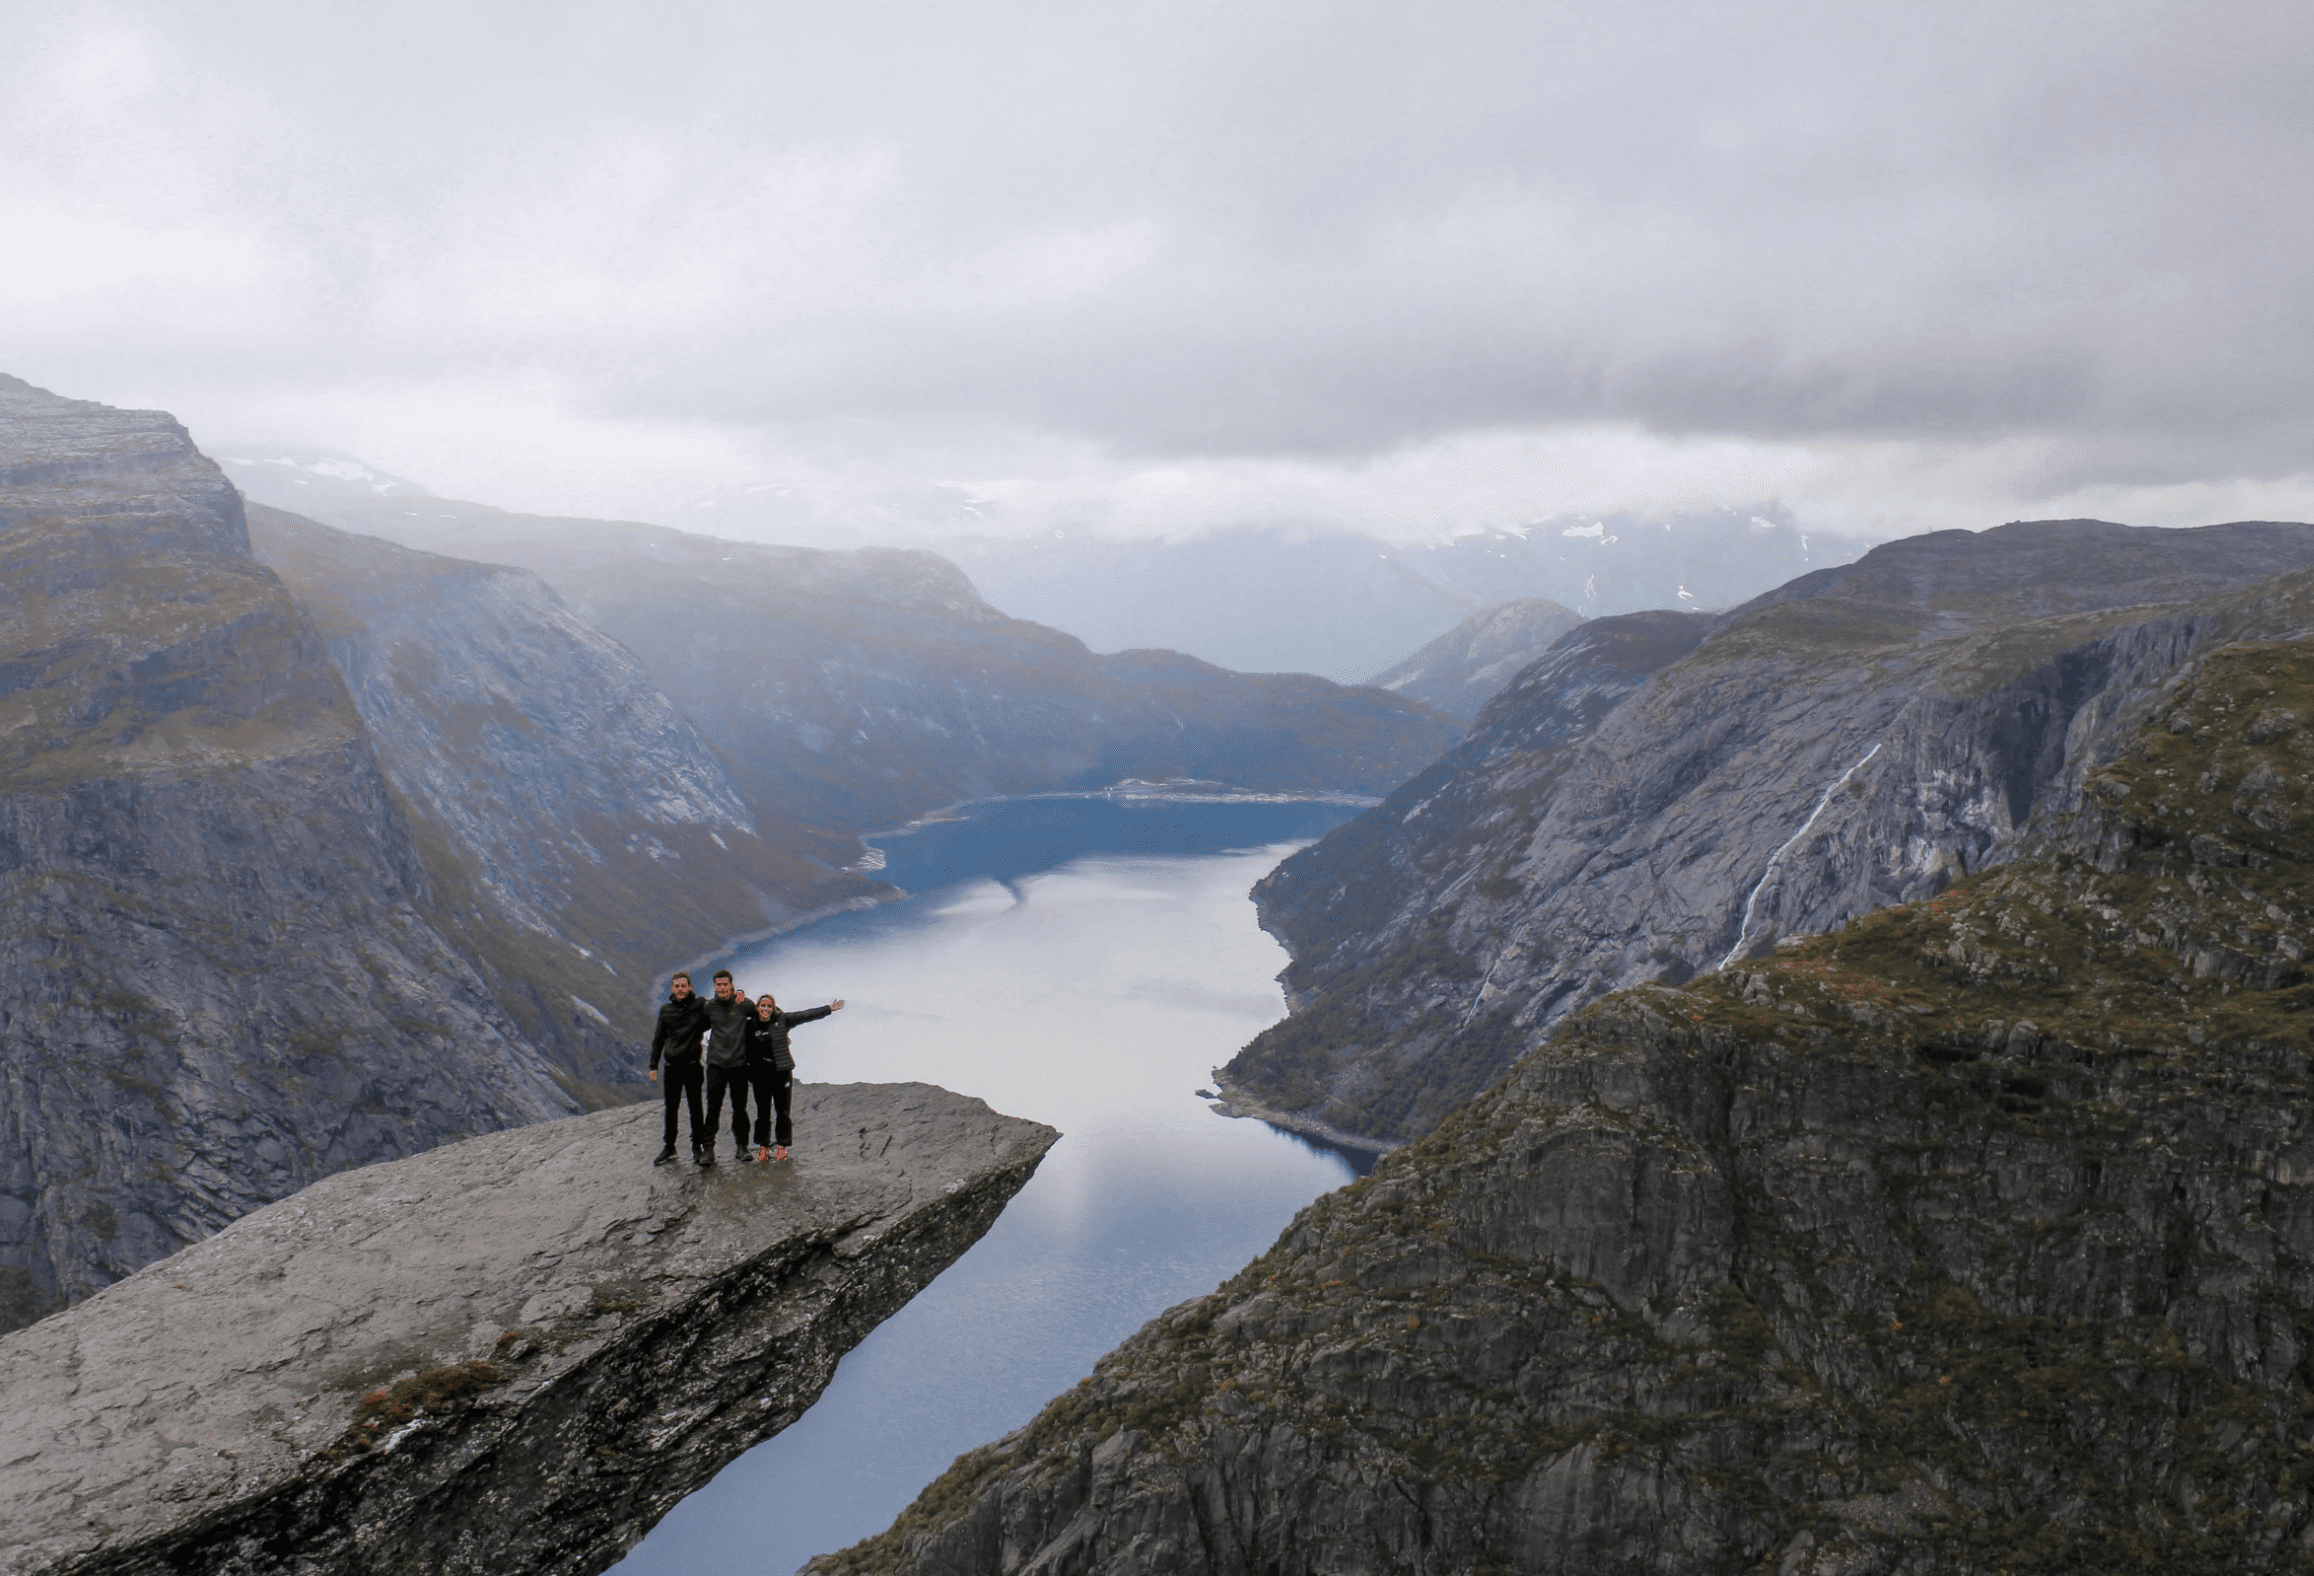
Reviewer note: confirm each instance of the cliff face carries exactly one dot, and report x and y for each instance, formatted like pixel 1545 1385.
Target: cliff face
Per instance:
pixel 858 689
pixel 217 983
pixel 509 1355
pixel 1975 1236
pixel 1468 666
pixel 585 834
pixel 1860 737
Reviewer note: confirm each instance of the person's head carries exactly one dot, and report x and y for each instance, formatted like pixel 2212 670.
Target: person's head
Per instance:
pixel 765 1005
pixel 681 987
pixel 722 984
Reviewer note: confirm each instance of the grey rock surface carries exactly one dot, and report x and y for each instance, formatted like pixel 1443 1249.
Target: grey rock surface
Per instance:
pixel 507 1355
pixel 861 688
pixel 1470 664
pixel 217 978
pixel 1860 737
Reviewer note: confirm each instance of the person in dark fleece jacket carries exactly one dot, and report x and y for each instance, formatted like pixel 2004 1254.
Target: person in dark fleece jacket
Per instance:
pixel 682 1023
pixel 771 1068
pixel 728 1013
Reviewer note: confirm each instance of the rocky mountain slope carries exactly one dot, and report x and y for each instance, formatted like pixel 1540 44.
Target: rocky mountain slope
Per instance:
pixel 219 981
pixel 861 688
pixel 1860 737
pixel 1976 1235
pixel 1468 666
pixel 509 1355
pixel 595 836
pixel 864 711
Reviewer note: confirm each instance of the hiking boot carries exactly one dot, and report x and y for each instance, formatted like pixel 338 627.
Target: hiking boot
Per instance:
pixel 705 1157
pixel 739 1155
pixel 665 1155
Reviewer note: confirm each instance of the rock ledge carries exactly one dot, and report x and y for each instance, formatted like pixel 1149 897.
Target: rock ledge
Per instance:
pixel 510 1354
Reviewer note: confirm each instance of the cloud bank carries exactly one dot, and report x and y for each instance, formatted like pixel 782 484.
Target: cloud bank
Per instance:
pixel 1158 267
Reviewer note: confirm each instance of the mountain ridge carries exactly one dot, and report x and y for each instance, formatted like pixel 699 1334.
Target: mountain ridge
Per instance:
pixel 1549 858
pixel 862 687
pixel 1468 666
pixel 1254 598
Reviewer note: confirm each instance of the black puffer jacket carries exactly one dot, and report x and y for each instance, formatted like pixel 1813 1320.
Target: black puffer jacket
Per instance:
pixel 767 1037
pixel 681 1025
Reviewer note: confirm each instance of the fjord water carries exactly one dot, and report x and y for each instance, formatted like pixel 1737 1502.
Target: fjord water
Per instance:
pixel 1084 962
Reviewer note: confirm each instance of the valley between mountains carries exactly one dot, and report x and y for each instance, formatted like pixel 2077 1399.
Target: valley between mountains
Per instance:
pixel 321 850
pixel 1958 1221
pixel 1842 1061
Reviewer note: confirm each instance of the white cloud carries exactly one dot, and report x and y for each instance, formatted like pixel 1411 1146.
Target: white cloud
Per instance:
pixel 1154 267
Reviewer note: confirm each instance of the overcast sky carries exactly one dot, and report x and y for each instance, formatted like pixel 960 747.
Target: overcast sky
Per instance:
pixel 1414 267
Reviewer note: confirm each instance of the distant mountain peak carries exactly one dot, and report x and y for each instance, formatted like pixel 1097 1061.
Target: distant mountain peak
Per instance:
pixel 315 473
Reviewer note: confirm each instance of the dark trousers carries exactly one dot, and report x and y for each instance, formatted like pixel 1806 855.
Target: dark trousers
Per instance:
pixel 732 1081
pixel 772 1089
pixel 676 1081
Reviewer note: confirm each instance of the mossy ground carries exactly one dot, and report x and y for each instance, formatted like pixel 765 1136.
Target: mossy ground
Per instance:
pixel 435 1391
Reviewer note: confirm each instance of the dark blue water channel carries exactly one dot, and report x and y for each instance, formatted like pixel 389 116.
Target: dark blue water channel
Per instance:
pixel 1085 962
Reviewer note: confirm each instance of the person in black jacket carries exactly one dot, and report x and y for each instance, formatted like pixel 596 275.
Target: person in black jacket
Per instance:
pixel 682 1023
pixel 728 1016
pixel 771 1068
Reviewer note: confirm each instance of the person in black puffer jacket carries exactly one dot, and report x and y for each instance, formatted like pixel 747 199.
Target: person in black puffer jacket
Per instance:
pixel 682 1024
pixel 771 1068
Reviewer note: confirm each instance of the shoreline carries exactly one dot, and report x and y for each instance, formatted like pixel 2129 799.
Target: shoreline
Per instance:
pixel 1235 1102
pixel 1188 790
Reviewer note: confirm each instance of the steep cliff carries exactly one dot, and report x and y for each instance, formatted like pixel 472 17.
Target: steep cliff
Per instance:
pixel 509 1355
pixel 1468 666
pixel 1857 738
pixel 1975 1236
pixel 860 688
pixel 217 980
pixel 585 836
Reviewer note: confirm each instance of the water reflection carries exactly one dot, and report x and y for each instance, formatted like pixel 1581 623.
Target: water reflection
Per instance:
pixel 1085 963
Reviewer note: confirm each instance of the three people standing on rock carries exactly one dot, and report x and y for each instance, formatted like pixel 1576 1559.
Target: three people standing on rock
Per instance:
pixel 746 1048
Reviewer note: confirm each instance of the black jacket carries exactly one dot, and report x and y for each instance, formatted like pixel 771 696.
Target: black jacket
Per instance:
pixel 681 1023
pixel 727 1031
pixel 767 1037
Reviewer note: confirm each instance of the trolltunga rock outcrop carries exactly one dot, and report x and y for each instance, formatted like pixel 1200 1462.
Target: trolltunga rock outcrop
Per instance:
pixel 510 1354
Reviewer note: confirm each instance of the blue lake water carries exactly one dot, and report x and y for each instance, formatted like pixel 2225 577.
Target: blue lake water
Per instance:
pixel 1085 962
